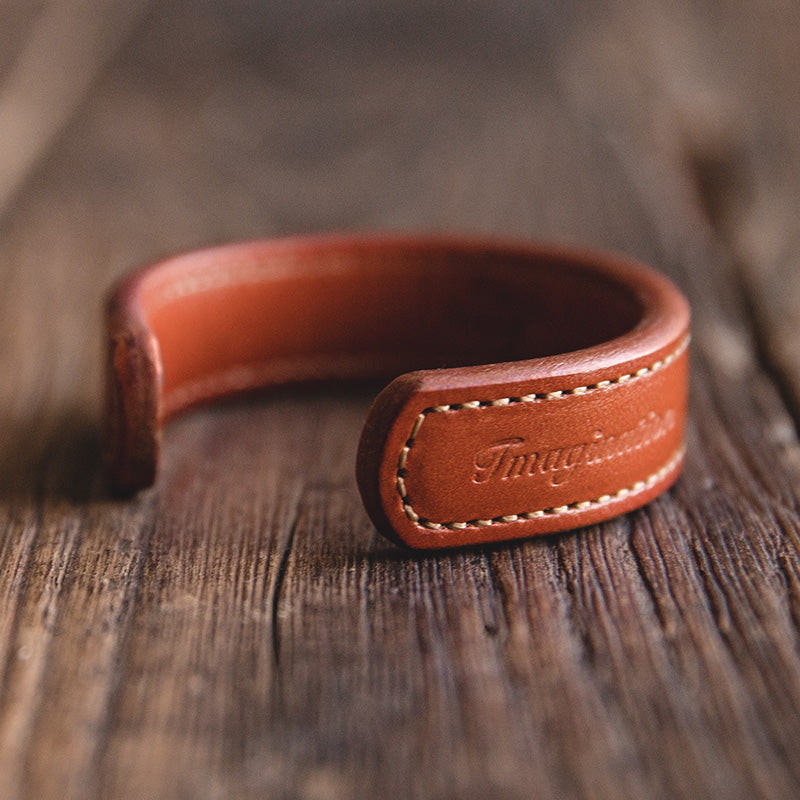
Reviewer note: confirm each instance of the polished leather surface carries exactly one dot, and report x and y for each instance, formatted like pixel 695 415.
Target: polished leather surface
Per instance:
pixel 539 389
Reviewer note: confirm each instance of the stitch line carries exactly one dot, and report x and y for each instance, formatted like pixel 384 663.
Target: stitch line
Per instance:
pixel 249 271
pixel 579 505
pixel 582 505
pixel 231 276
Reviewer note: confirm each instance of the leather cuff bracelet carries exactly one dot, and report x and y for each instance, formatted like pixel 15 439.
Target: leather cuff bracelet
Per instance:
pixel 548 392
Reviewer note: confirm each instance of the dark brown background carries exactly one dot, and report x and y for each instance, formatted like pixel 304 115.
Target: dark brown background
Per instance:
pixel 241 631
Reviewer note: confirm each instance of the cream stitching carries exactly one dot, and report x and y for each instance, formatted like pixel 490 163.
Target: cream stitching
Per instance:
pixel 247 272
pixel 230 277
pixel 582 505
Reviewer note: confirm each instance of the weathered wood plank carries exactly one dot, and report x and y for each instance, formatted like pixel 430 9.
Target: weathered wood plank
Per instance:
pixel 240 630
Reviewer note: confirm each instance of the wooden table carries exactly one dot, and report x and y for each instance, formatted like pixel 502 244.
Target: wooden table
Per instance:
pixel 241 630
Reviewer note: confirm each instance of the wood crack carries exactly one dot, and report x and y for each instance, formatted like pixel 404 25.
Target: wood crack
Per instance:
pixel 280 577
pixel 565 573
pixel 651 590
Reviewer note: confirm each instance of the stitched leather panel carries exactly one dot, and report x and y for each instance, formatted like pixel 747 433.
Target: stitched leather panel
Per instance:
pixel 553 460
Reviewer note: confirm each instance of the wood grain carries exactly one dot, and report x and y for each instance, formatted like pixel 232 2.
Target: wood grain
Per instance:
pixel 240 630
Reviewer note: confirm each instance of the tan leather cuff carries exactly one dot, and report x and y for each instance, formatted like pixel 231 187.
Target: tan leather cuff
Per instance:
pixel 548 392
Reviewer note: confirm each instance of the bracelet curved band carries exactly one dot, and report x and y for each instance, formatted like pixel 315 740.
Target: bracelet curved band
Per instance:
pixel 539 389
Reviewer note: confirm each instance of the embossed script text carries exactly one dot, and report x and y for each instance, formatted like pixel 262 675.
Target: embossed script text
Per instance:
pixel 514 458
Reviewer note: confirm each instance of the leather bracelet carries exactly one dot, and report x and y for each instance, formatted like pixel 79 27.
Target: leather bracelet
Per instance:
pixel 548 389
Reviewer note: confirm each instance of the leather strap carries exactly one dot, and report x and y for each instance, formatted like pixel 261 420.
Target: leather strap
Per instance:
pixel 548 388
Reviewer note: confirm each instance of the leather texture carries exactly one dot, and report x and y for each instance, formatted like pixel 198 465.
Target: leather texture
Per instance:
pixel 539 388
